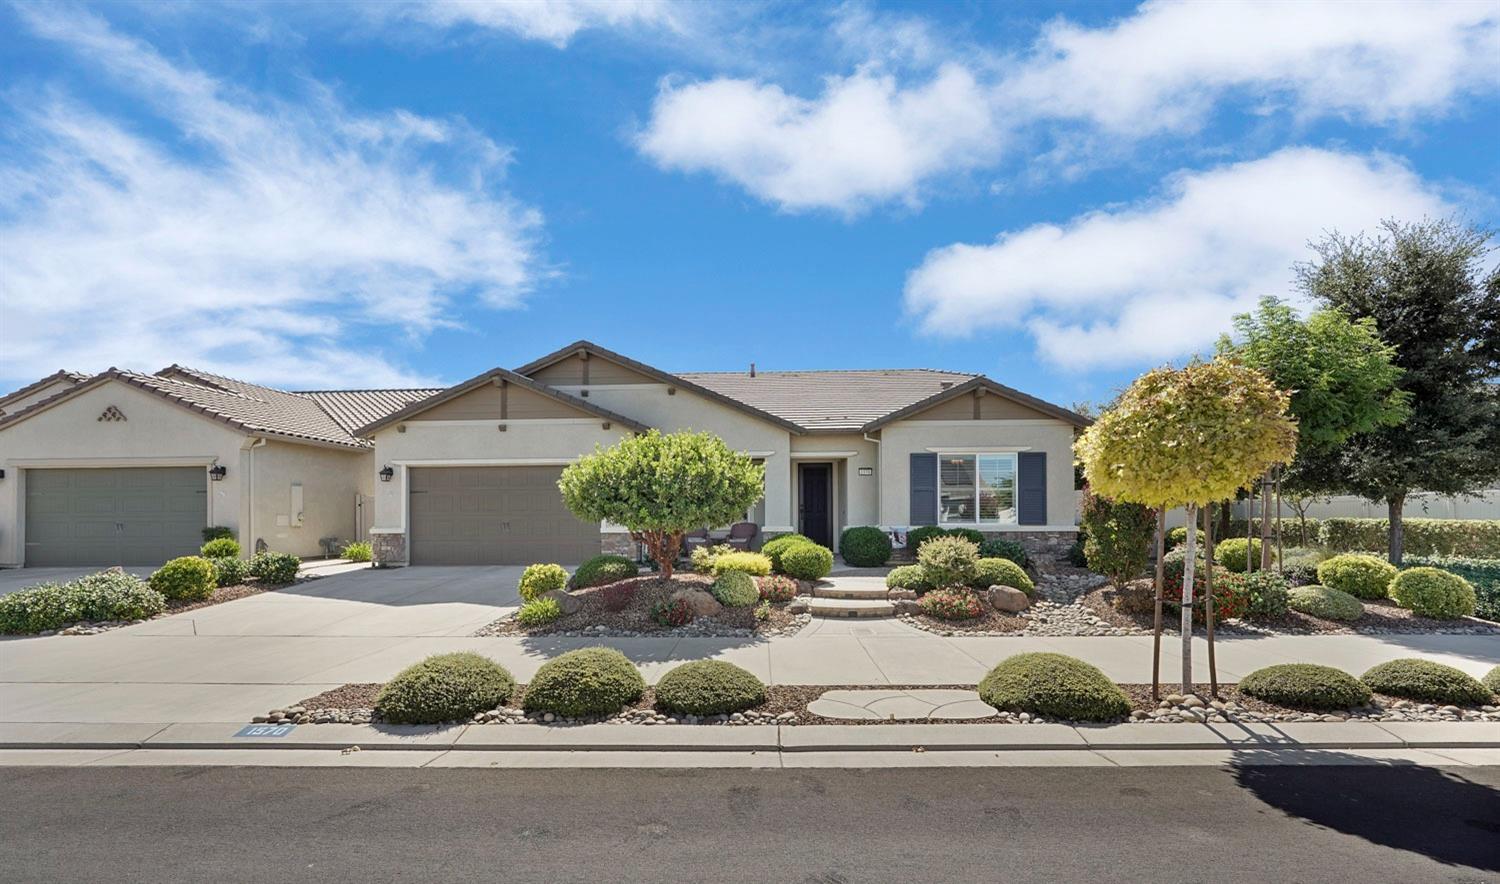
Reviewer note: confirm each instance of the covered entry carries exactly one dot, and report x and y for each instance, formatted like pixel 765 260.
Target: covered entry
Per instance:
pixel 494 516
pixel 114 516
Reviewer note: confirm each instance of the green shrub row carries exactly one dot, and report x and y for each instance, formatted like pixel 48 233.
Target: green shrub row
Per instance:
pixel 1323 688
pixel 1478 538
pixel 953 562
pixel 107 595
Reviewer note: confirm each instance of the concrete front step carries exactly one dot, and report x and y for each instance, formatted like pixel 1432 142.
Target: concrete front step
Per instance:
pixel 823 607
pixel 877 593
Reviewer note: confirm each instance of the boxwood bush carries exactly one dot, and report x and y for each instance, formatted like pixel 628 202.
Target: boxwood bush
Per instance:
pixel 912 577
pixel 1446 537
pixel 951 603
pixel 185 579
pixel 1306 686
pixel 1363 576
pixel 601 570
pixel 1321 601
pixel 773 548
pixel 445 687
pixel 735 589
pixel 1434 593
pixel 220 547
pixel 107 595
pixel 1001 572
pixel 1491 680
pixel 865 546
pixel 949 561
pixel 1054 685
pixel 589 681
pixel 1414 679
pixel 750 563
pixel 274 569
pixel 540 579
pixel 1002 548
pixel 230 571
pixel 1236 553
pixel 1482 574
pixel 807 561
pixel 973 536
pixel 709 687
pixel 918 536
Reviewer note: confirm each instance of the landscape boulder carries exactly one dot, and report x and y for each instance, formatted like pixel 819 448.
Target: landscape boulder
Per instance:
pixel 699 601
pixel 1009 599
pixel 565 600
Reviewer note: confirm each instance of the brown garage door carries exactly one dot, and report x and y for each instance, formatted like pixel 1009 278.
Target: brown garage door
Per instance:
pixel 125 516
pixel 494 516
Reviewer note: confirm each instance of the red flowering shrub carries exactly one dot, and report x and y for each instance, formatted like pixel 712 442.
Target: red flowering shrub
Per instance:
pixel 951 604
pixel 777 588
pixel 617 596
pixel 672 613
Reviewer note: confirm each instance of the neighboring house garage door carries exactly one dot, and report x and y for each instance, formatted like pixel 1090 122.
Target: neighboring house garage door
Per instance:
pixel 494 516
pixel 124 516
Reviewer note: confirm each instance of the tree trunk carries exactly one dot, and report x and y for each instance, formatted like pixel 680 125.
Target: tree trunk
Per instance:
pixel 1279 533
pixel 1394 505
pixel 1224 516
pixel 1265 522
pixel 1208 598
pixel 1161 551
pixel 1188 576
pixel 663 546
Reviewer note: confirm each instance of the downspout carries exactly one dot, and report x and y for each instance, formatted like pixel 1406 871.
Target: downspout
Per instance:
pixel 250 494
pixel 876 443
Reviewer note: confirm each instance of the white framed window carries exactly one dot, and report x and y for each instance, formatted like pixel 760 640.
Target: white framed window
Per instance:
pixel 977 489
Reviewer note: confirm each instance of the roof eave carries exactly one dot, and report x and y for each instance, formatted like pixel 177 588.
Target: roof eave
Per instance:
pixel 989 385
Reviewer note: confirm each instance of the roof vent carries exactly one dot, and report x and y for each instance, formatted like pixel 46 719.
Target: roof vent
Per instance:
pixel 945 385
pixel 752 369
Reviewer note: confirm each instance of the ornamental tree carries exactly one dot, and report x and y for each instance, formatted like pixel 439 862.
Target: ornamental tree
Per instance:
pixel 1187 438
pixel 1117 537
pixel 660 486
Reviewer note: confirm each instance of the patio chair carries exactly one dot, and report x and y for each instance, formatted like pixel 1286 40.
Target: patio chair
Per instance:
pixel 741 534
pixel 694 539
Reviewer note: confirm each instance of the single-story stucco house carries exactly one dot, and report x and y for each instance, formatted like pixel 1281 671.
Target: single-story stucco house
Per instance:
pixel 128 468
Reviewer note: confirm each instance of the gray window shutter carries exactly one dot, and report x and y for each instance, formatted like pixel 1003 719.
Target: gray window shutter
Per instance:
pixel 924 501
pixel 1031 488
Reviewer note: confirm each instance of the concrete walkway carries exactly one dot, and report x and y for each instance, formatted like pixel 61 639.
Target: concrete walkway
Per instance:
pixel 230 662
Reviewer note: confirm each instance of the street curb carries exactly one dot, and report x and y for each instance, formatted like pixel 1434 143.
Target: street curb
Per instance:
pixel 766 738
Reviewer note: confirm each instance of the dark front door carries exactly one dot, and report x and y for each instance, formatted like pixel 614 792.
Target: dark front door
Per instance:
pixel 816 486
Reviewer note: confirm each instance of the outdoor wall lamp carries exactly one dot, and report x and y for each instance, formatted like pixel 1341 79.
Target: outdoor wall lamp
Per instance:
pixel 387 473
pixel 217 472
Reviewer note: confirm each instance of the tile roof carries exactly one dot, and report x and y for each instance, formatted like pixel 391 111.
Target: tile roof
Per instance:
pixel 356 408
pixel 828 401
pixel 77 377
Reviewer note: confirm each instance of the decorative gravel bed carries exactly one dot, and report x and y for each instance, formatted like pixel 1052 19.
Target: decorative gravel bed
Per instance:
pixel 221 595
pixel 594 620
pixel 787 705
pixel 1055 610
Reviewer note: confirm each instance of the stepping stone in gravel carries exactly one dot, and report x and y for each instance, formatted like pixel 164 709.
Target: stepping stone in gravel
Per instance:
pixel 883 703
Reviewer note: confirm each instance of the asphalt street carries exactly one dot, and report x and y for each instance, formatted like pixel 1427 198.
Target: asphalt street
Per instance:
pixel 1255 823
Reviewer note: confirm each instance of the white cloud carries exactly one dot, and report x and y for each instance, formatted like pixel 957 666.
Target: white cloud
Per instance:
pixel 920 108
pixel 866 139
pixel 551 21
pixel 239 234
pixel 1161 278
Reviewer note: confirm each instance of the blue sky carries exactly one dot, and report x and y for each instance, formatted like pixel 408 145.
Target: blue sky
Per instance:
pixel 1059 196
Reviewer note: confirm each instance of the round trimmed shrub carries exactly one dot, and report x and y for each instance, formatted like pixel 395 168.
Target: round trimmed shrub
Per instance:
pixel 1001 572
pixel 773 548
pixel 709 687
pixel 969 534
pixel 1002 548
pixel 1435 593
pixel 918 536
pixel 1054 685
pixel 951 603
pixel 1414 679
pixel 865 546
pixel 219 548
pixel 949 561
pixel 589 681
pixel 274 569
pixel 1491 680
pixel 750 563
pixel 807 561
pixel 1362 576
pixel 358 551
pixel 912 577
pixel 185 579
pixel 539 612
pixel 735 589
pixel 601 570
pixel 445 687
pixel 1236 553
pixel 230 571
pixel 1306 686
pixel 1323 602
pixel 777 588
pixel 538 580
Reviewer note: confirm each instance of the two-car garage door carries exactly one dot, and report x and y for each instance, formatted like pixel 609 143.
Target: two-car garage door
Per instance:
pixel 494 516
pixel 125 516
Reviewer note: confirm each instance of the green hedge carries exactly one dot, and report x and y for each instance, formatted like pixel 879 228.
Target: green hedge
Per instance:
pixel 1054 685
pixel 1415 679
pixel 1479 538
pixel 709 687
pixel 807 561
pixel 1004 548
pixel 445 687
pixel 107 595
pixel 588 681
pixel 773 548
pixel 865 546
pixel 1482 574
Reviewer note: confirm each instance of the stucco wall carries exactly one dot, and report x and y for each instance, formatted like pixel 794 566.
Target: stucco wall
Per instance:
pixel 899 440
pixel 651 404
pixel 330 479
pixel 154 433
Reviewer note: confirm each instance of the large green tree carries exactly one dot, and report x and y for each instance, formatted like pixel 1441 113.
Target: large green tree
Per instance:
pixel 1425 287
pixel 661 486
